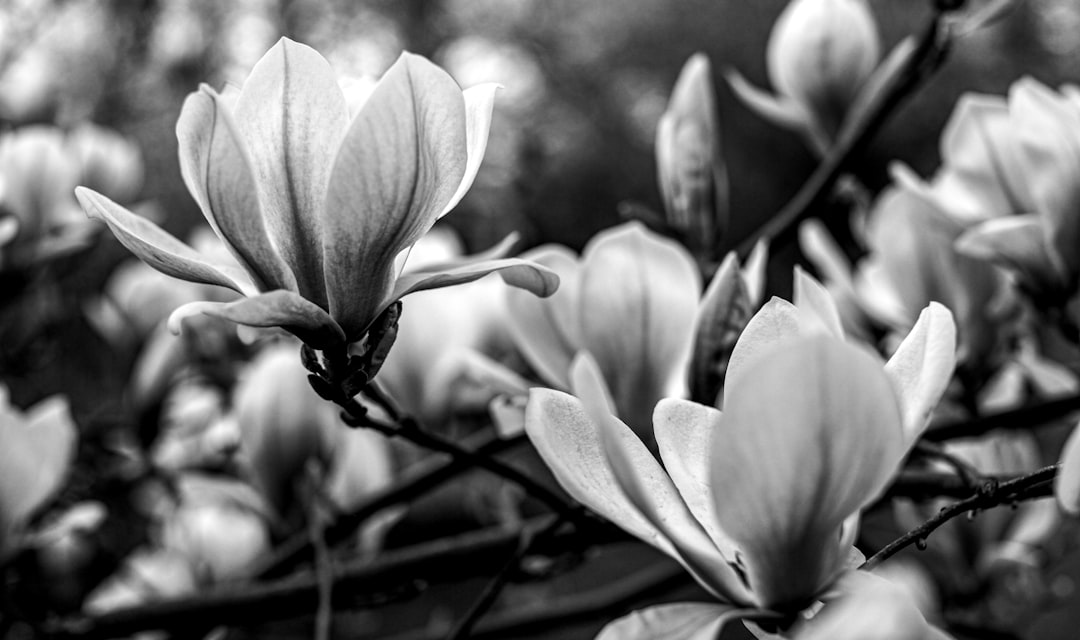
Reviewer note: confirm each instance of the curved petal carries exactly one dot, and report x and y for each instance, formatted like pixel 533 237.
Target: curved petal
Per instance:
pixel 921 368
pixel 217 171
pixel 684 430
pixel 279 308
pixel 722 313
pixel 810 434
pixel 547 331
pixel 400 163
pixel 157 248
pixel 292 117
pixel 678 621
pixel 781 111
pixel 479 102
pixel 776 322
pixel 817 311
pixel 650 489
pixel 523 274
pixel 639 298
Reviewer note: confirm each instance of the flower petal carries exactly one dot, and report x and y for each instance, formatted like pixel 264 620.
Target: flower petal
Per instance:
pixel 548 331
pixel 922 367
pixel 810 434
pixel 479 102
pixel 779 110
pixel 678 621
pixel 723 312
pixel 279 308
pixel 1067 482
pixel 523 274
pixel 684 431
pixel 639 296
pixel 401 162
pixel 773 324
pixel 817 311
pixel 292 116
pixel 216 168
pixel 157 248
pixel 650 489
pixel 1017 243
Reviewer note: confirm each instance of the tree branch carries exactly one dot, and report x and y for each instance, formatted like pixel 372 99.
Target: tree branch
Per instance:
pixel 1022 418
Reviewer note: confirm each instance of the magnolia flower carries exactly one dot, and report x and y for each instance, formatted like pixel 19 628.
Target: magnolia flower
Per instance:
pixel 314 206
pixel 758 502
pixel 820 55
pixel 630 301
pixel 38 447
pixel 692 174
pixel 1011 170
pixel 912 261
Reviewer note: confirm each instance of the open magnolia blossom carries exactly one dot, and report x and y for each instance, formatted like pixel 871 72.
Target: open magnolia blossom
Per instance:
pixel 759 501
pixel 1011 172
pixel 632 300
pixel 316 207
pixel 819 56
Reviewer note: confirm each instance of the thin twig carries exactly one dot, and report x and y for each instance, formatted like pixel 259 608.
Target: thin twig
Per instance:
pixel 926 57
pixel 1033 485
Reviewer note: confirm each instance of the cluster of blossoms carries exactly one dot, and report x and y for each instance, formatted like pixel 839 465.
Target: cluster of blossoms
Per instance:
pixel 745 437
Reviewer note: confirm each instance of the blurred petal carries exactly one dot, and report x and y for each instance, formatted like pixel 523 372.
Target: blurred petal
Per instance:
pixel 810 434
pixel 921 368
pixel 216 168
pixel 650 489
pixel 639 296
pixel 817 311
pixel 781 111
pixel 158 248
pixel 401 162
pixel 679 621
pixel 775 323
pixel 1015 242
pixel 548 331
pixel 292 116
pixel 279 308
pixel 38 448
pixel 1067 483
pixel 479 102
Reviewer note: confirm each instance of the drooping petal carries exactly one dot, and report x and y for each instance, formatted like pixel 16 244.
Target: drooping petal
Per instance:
pixel 292 117
pixel 639 296
pixel 523 274
pixel 684 432
pixel 775 323
pixel 279 308
pixel 678 621
pixel 817 311
pixel 479 102
pixel 922 367
pixel 157 248
pixel 810 434
pixel 779 110
pixel 400 163
pixel 216 168
pixel 650 489
pixel 548 331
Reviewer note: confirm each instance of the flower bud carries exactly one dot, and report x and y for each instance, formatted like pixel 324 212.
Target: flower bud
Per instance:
pixel 692 175
pixel 820 53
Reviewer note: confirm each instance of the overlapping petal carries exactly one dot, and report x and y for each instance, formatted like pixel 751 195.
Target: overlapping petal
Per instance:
pixel 279 308
pixel 810 434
